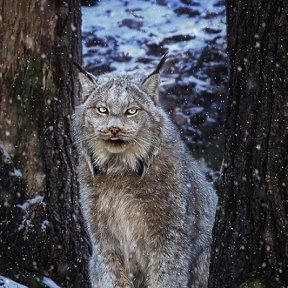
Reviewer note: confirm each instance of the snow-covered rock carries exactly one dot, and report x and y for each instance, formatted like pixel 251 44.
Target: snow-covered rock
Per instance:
pixel 8 283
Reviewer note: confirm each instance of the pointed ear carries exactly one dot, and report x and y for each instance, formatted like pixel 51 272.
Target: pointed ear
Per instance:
pixel 87 80
pixel 87 84
pixel 151 84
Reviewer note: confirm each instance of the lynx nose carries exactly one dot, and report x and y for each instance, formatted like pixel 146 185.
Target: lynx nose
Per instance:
pixel 114 130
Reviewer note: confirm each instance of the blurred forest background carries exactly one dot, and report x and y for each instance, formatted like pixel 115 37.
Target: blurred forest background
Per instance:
pixel 239 120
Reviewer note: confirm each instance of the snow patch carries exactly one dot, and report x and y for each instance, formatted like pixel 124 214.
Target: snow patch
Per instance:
pixel 128 27
pixel 8 283
pixel 33 201
pixel 16 173
pixel 7 158
pixel 50 283
pixel 45 224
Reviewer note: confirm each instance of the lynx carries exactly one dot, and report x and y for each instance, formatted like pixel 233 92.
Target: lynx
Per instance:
pixel 148 208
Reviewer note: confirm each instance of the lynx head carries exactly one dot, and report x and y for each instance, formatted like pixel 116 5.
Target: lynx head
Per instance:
pixel 118 127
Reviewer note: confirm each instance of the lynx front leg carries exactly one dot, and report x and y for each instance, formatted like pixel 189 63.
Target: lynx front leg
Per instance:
pixel 169 265
pixel 200 270
pixel 107 271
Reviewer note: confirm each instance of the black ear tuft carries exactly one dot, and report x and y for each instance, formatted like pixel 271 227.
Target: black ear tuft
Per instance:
pixel 87 80
pixel 158 68
pixel 82 70
pixel 151 84
pixel 161 63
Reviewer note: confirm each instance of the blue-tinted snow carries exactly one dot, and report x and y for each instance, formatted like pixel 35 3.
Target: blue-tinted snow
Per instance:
pixel 16 173
pixel 35 200
pixel 6 156
pixel 108 20
pixel 50 283
pixel 45 224
pixel 8 283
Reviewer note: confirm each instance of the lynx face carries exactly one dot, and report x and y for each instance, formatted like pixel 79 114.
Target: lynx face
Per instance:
pixel 119 123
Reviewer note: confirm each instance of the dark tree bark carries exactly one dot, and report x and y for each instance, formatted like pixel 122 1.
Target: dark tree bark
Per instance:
pixel 251 229
pixel 38 93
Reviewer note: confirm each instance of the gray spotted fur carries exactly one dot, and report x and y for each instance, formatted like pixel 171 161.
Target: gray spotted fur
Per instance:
pixel 148 208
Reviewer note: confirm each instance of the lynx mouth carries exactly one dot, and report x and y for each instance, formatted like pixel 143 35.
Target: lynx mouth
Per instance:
pixel 116 141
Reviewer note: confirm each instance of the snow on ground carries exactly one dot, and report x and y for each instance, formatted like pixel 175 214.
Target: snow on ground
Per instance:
pixel 50 283
pixel 129 28
pixel 8 283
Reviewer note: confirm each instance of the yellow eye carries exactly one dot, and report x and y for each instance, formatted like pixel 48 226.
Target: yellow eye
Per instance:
pixel 131 111
pixel 103 110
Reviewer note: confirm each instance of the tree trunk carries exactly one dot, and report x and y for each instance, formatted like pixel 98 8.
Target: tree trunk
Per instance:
pixel 251 228
pixel 41 228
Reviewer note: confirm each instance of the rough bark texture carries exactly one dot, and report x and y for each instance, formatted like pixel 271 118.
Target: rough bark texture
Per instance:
pixel 251 229
pixel 38 90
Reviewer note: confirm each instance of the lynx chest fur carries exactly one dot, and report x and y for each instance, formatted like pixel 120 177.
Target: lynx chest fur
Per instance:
pixel 148 208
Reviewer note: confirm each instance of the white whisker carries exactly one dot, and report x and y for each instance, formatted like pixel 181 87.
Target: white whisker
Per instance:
pixel 85 138
pixel 141 145
pixel 147 142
